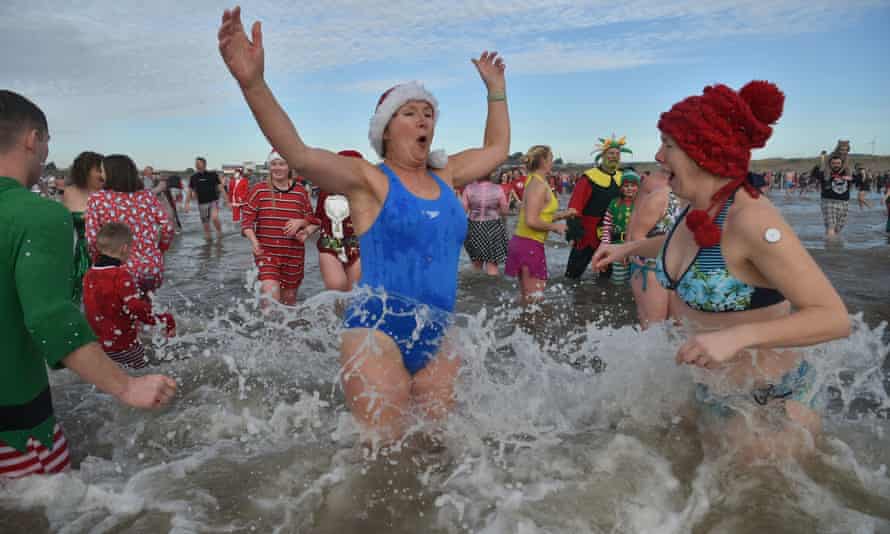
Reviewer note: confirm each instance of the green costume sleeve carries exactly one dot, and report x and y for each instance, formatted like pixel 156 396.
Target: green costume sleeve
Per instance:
pixel 44 260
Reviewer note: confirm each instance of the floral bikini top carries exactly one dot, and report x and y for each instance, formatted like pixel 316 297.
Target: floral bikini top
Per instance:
pixel 707 284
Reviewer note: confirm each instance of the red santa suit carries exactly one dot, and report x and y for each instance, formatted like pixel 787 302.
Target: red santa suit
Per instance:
pixel 114 308
pixel 239 188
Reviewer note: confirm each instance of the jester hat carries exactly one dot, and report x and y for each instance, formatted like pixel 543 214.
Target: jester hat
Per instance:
pixel 606 144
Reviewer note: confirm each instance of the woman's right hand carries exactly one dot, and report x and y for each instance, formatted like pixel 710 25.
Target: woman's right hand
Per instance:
pixel 257 249
pixel 605 255
pixel 243 57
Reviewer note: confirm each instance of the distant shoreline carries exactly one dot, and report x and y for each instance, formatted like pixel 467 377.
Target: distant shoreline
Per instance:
pixel 876 163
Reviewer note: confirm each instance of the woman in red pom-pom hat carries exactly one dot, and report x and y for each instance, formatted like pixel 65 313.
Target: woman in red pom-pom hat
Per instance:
pixel 734 265
pixel 396 359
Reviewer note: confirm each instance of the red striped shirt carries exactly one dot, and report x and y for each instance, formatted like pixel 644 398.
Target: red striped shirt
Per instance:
pixel 267 211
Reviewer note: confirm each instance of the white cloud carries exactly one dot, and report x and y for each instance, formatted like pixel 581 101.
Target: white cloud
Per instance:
pixel 107 60
pixel 378 86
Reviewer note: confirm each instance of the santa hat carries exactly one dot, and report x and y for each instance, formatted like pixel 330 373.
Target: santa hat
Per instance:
pixel 351 154
pixel 718 130
pixel 390 101
pixel 273 155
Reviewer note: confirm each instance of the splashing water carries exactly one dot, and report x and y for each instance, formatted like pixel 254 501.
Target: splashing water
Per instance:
pixel 259 440
pixel 562 424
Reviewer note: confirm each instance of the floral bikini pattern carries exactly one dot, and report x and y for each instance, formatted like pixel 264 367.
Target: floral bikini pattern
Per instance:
pixel 714 291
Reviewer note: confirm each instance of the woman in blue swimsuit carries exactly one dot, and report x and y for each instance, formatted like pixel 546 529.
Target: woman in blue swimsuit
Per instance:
pixel 410 224
pixel 734 265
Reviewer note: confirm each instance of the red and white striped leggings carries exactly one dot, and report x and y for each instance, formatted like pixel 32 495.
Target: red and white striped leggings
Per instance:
pixel 37 459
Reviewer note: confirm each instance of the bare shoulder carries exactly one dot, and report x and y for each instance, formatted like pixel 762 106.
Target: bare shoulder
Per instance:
pixel 447 173
pixel 373 185
pixel 655 199
pixel 750 218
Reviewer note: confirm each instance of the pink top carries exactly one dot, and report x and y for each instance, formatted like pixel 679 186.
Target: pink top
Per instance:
pixel 149 225
pixel 484 201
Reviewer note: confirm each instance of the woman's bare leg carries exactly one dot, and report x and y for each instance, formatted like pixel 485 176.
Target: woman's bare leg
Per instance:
pixel 375 383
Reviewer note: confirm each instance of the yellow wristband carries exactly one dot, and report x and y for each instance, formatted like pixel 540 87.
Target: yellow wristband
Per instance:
pixel 497 97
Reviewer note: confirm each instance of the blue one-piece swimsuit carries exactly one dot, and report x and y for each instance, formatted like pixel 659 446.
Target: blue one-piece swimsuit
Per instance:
pixel 409 270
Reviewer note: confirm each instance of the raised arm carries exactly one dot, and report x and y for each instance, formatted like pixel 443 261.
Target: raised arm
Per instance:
pixel 472 164
pixel 244 58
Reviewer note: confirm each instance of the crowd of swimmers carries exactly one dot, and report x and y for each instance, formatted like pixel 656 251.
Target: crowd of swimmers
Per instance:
pixel 699 242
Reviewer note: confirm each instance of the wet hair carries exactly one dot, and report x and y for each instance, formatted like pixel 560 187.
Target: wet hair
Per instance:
pixel 121 174
pixel 112 236
pixel 83 164
pixel 201 159
pixel 535 157
pixel 18 115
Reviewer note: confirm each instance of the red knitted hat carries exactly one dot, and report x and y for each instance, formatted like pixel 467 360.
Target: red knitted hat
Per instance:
pixel 719 129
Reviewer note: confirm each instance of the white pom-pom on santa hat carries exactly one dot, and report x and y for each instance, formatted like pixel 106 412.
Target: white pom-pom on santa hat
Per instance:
pixel 389 103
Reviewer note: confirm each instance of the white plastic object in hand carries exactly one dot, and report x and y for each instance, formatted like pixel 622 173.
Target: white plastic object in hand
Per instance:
pixel 772 235
pixel 337 209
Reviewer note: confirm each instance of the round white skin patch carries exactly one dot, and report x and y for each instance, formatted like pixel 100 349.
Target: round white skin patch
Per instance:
pixel 772 235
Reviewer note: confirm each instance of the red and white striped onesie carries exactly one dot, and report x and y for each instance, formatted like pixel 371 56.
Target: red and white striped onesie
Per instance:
pixel 266 213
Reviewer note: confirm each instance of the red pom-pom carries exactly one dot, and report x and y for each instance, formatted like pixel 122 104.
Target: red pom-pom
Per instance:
pixel 765 100
pixel 696 218
pixel 707 235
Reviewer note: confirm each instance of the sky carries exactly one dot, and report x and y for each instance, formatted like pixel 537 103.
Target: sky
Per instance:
pixel 146 79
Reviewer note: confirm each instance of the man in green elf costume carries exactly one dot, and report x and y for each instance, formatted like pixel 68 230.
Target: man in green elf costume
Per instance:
pixel 40 325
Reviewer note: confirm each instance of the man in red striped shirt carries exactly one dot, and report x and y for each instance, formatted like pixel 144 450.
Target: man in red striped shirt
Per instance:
pixel 277 219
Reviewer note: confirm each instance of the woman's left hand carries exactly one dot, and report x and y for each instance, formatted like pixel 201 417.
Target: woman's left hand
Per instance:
pixel 491 69
pixel 304 234
pixel 292 226
pixel 710 350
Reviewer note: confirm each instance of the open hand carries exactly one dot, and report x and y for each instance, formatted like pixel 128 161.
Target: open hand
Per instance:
pixel 491 69
pixel 243 57
pixel 605 255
